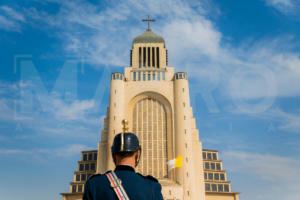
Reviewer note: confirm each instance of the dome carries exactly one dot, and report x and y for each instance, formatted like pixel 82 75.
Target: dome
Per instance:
pixel 148 37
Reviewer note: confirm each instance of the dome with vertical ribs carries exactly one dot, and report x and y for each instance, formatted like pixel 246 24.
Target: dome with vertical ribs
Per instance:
pixel 148 37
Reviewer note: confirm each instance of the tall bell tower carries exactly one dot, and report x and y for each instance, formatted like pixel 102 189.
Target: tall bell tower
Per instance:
pixel 156 102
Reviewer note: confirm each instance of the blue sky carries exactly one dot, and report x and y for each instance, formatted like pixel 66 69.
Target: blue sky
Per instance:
pixel 242 59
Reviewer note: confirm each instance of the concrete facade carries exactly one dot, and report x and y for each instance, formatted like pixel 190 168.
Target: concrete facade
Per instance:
pixel 156 103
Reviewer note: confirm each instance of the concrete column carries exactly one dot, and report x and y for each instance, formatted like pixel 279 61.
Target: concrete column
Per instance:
pixel 181 96
pixel 116 115
pixel 184 141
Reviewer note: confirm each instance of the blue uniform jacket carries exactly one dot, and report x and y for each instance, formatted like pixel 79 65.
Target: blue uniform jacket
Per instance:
pixel 137 186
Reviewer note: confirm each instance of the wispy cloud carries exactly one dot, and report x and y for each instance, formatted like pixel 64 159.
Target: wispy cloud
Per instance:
pixel 279 119
pixel 256 70
pixel 284 120
pixel 264 166
pixel 68 150
pixel 198 35
pixel 75 110
pixel 285 6
pixel 13 13
pixel 74 118
pixel 287 121
pixel 263 68
pixel 13 151
pixel 274 173
pixel 10 19
pixel 102 34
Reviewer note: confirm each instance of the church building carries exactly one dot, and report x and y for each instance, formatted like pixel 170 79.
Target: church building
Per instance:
pixel 156 102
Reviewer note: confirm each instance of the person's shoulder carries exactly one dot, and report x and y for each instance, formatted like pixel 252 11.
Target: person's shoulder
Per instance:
pixel 155 186
pixel 149 178
pixel 97 177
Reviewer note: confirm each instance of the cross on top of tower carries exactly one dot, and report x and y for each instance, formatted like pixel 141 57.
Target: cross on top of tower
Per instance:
pixel 148 20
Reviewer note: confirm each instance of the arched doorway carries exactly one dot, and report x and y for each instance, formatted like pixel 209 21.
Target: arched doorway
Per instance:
pixel 149 122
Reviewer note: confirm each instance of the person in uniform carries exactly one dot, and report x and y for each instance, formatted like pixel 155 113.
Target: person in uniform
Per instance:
pixel 123 183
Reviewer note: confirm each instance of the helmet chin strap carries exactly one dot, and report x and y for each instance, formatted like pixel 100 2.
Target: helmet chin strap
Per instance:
pixel 137 160
pixel 114 159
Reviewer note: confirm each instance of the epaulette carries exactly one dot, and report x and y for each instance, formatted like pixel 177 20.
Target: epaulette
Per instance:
pixel 94 175
pixel 152 178
pixel 149 177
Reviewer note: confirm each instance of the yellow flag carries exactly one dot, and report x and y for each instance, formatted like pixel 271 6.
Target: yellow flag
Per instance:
pixel 177 162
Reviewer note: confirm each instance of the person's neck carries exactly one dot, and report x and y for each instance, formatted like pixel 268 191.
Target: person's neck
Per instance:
pixel 127 163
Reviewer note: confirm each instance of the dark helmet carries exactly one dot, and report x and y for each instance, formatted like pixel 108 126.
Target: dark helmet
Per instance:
pixel 125 142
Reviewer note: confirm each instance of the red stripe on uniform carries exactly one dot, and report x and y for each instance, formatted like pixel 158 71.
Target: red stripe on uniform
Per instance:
pixel 115 188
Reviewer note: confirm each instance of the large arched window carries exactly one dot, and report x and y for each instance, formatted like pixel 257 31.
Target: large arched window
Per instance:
pixel 150 124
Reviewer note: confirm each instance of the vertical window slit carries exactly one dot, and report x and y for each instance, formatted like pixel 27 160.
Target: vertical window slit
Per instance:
pixel 148 56
pixel 144 56
pixel 153 57
pixel 140 57
pixel 157 56
pixel 130 57
pixel 167 57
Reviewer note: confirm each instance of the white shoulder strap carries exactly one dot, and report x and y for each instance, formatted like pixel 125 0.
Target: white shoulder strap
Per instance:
pixel 116 184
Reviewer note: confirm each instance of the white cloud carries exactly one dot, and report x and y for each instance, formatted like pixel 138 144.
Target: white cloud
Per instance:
pixel 195 36
pixel 6 110
pixel 283 120
pixel 284 6
pixel 13 14
pixel 68 150
pixel 280 2
pixel 74 111
pixel 279 119
pixel 265 167
pixel 102 34
pixel 71 150
pixel 8 25
pixel 76 118
pixel 10 19
pixel 261 69
pixel 272 173
pixel 287 121
pixel 57 106
pixel 264 68
pixel 12 151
